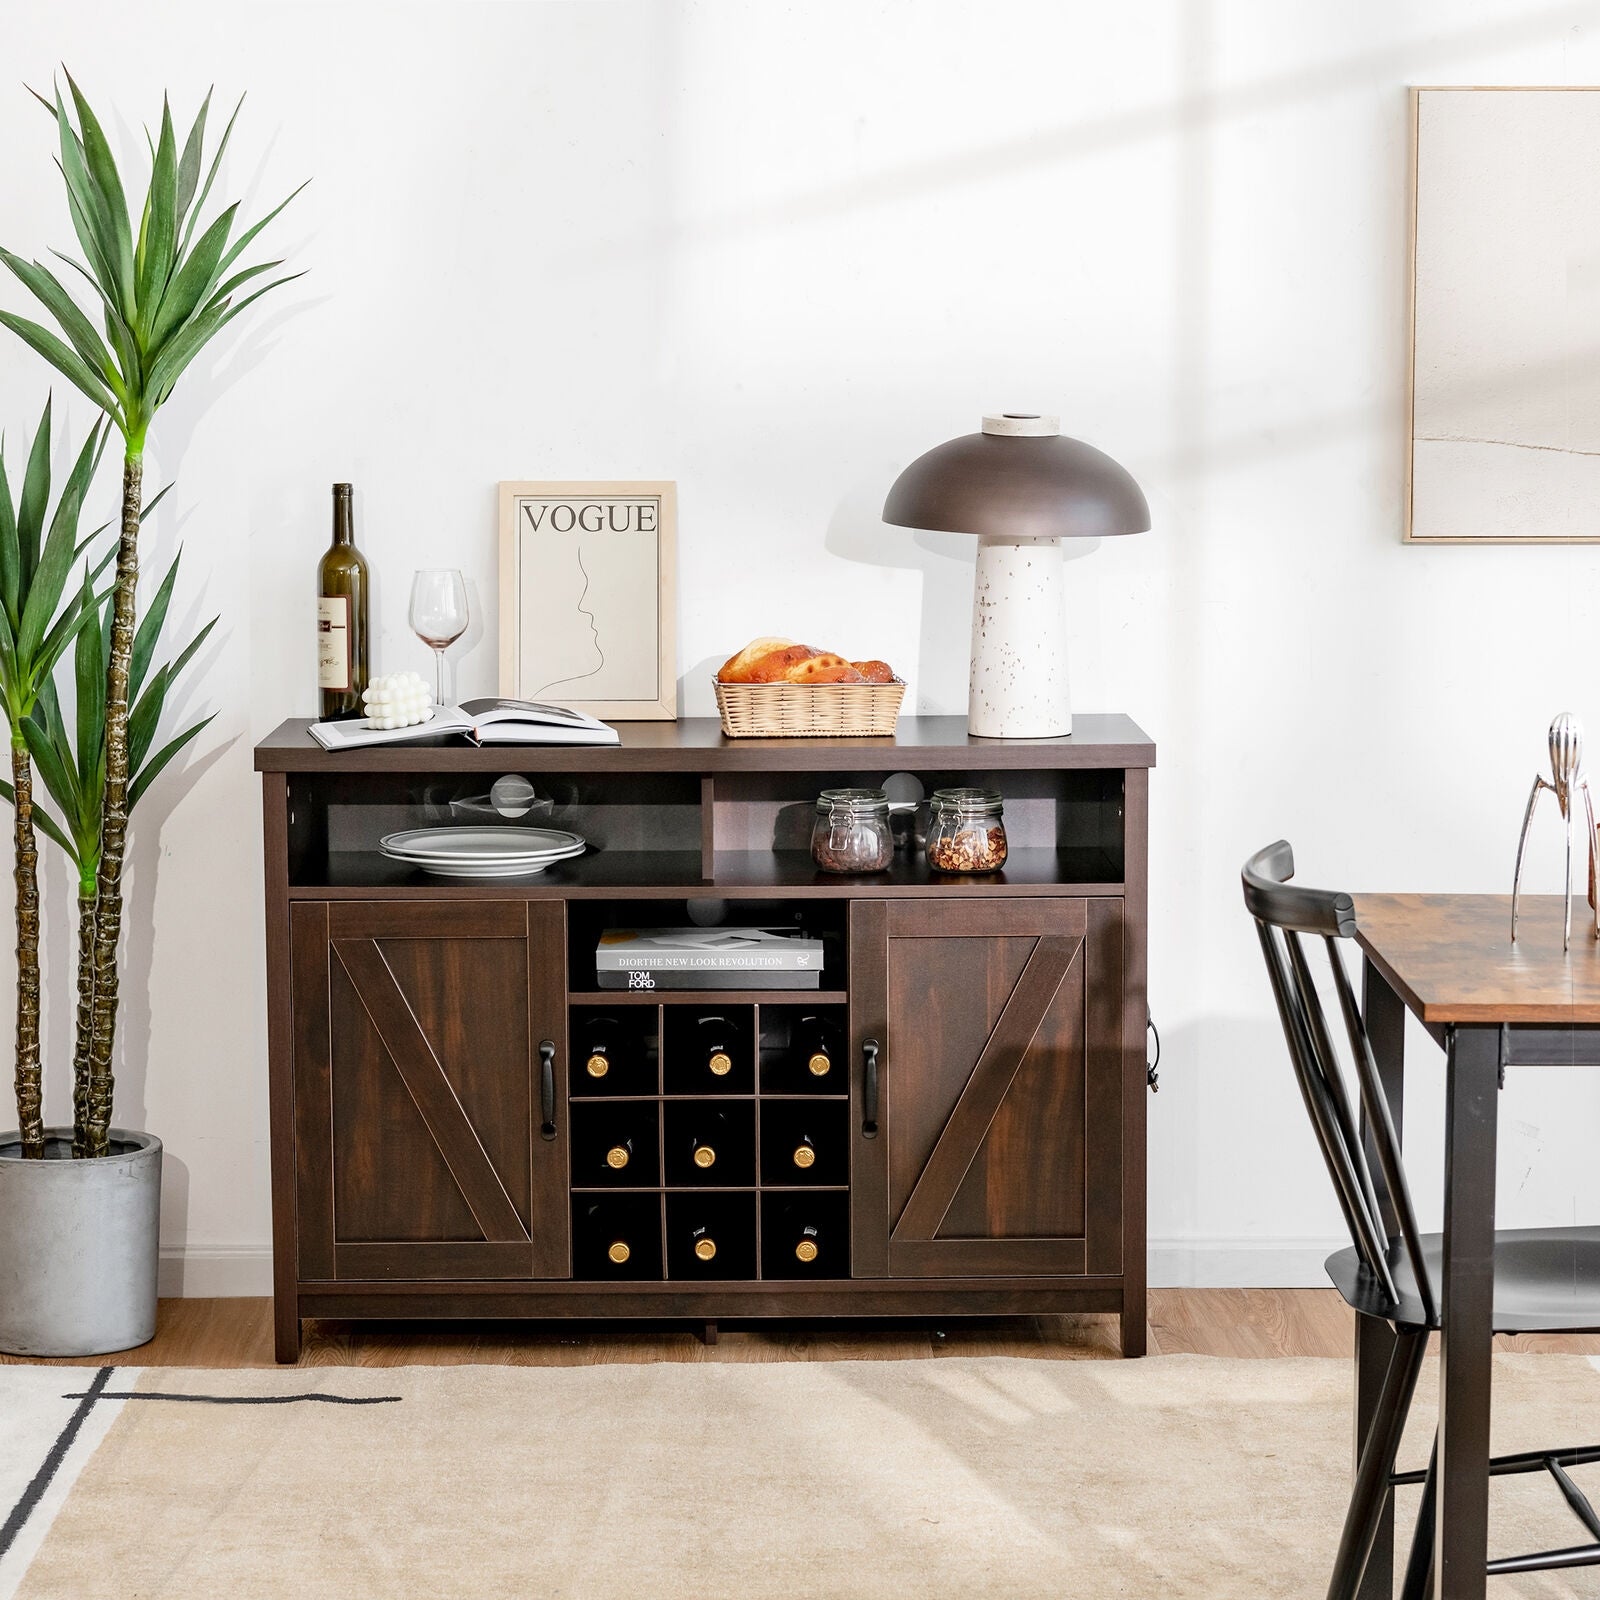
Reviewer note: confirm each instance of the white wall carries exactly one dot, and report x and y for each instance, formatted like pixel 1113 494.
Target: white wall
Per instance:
pixel 774 252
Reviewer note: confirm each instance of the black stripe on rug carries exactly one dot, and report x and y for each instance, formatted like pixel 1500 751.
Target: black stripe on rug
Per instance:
pixel 54 1456
pixel 246 1399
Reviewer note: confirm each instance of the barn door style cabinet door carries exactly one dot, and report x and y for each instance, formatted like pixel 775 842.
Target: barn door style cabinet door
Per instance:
pixel 465 1124
pixel 993 1133
pixel 428 1131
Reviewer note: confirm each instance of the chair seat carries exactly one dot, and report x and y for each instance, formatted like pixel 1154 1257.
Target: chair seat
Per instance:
pixel 1546 1280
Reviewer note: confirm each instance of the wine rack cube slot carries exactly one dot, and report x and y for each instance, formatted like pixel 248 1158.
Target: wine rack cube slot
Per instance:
pixel 615 1052
pixel 803 1050
pixel 616 1236
pixel 805 1142
pixel 616 1144
pixel 711 1236
pixel 710 1143
pixel 709 1049
pixel 805 1235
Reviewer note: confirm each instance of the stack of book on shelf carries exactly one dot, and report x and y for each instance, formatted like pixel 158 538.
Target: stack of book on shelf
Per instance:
pixel 707 958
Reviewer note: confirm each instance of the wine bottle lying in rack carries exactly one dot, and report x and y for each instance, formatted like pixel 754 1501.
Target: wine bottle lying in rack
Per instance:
pixel 716 1046
pixel 808 1247
pixel 703 1244
pixel 602 1044
pixel 816 1043
pixel 620 1154
pixel 616 1236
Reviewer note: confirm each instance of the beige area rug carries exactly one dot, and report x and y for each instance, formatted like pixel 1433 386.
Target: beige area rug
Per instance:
pixel 953 1477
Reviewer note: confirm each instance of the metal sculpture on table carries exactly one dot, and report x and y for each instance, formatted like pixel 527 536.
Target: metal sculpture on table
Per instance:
pixel 1566 780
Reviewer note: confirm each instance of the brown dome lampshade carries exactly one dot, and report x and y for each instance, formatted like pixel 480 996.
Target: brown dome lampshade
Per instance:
pixel 1020 486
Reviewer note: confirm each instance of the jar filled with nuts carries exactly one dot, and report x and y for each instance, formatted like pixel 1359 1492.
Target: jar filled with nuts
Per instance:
pixel 851 832
pixel 965 831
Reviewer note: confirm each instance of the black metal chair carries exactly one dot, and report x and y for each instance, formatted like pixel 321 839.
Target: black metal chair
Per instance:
pixel 1547 1280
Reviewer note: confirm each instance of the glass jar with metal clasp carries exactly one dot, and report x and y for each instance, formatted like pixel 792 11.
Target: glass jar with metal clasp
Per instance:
pixel 851 832
pixel 966 831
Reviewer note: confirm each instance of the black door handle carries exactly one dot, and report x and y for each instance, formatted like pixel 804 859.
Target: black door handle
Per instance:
pixel 869 1094
pixel 547 1089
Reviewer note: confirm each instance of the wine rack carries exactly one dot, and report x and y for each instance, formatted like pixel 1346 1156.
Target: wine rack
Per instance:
pixel 710 1143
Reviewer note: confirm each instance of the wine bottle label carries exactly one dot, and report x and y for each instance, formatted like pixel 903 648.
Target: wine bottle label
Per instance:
pixel 333 641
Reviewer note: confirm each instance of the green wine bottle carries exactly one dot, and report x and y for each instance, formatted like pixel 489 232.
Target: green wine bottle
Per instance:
pixel 343 668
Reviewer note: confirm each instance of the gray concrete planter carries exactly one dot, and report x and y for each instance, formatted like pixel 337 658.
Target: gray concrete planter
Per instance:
pixel 79 1246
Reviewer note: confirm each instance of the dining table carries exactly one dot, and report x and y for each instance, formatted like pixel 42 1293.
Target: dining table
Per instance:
pixel 1490 1005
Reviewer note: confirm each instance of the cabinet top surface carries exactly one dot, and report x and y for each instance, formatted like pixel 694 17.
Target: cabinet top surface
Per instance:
pixel 697 744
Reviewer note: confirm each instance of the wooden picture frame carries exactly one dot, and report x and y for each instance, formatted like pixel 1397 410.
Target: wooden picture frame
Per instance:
pixel 1500 191
pixel 588 597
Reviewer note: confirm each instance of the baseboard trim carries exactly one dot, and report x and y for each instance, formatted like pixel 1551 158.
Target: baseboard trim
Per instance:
pixel 1240 1263
pixel 199 1274
pixel 1173 1264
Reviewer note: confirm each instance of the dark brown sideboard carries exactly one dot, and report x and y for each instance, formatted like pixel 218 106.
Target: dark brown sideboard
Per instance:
pixel 438 1150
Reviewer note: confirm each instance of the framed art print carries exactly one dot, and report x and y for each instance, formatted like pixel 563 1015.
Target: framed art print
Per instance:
pixel 588 597
pixel 1504 414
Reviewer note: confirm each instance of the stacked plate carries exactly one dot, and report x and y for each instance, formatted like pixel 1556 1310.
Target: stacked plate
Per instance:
pixel 504 852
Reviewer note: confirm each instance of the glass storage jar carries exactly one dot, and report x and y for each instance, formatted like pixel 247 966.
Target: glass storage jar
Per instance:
pixel 966 832
pixel 851 832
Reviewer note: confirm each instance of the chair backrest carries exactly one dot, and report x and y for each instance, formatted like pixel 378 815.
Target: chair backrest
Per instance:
pixel 1283 914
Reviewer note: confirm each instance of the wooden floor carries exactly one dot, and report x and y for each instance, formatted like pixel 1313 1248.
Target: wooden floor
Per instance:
pixel 1210 1322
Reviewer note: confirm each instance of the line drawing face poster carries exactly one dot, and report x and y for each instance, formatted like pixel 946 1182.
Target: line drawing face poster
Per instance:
pixel 590 590
pixel 1505 394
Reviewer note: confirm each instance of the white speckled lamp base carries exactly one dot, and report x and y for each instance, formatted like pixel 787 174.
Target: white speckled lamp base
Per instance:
pixel 1018 687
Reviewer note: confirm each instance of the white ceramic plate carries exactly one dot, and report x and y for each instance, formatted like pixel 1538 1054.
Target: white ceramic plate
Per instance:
pixel 485 846
pixel 419 858
pixel 516 869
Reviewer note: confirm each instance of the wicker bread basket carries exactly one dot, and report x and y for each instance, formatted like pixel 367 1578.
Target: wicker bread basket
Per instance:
pixel 809 710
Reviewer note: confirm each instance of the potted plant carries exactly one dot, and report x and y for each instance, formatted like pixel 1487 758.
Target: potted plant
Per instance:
pixel 161 294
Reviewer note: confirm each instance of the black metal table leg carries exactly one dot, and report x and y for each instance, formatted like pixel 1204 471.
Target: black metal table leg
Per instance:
pixel 1466 1309
pixel 1385 1016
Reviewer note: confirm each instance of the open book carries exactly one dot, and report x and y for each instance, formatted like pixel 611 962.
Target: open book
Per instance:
pixel 489 721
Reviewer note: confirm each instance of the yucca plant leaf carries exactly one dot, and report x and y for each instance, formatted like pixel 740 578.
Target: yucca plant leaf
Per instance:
pixel 89 681
pixel 211 175
pixel 9 553
pixel 242 243
pixel 64 359
pixel 158 232
pixel 180 350
pixel 77 327
pixel 117 331
pixel 185 655
pixel 43 821
pixel 152 768
pixel 47 582
pixel 146 712
pixel 101 163
pixel 66 628
pixel 105 221
pixel 193 281
pixel 35 498
pixel 189 162
pixel 150 625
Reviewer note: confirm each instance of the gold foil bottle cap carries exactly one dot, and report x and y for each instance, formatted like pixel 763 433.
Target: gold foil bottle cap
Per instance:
pixel 705 1249
pixel 721 1063
pixel 819 1065
pixel 597 1066
pixel 806 1250
pixel 804 1155
pixel 618 1252
pixel 704 1155
pixel 616 1158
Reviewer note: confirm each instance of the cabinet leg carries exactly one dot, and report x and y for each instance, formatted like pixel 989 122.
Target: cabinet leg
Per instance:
pixel 285 1331
pixel 708 1333
pixel 1133 1323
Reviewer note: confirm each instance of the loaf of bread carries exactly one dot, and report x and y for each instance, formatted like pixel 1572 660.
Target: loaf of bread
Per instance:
pixel 775 660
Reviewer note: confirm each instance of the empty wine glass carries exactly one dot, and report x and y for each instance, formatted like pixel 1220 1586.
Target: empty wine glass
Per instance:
pixel 438 615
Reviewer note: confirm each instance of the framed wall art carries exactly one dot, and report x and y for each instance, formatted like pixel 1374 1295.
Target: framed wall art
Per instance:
pixel 1504 414
pixel 588 597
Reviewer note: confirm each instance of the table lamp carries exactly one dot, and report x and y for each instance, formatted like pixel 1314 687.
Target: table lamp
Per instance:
pixel 1021 487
